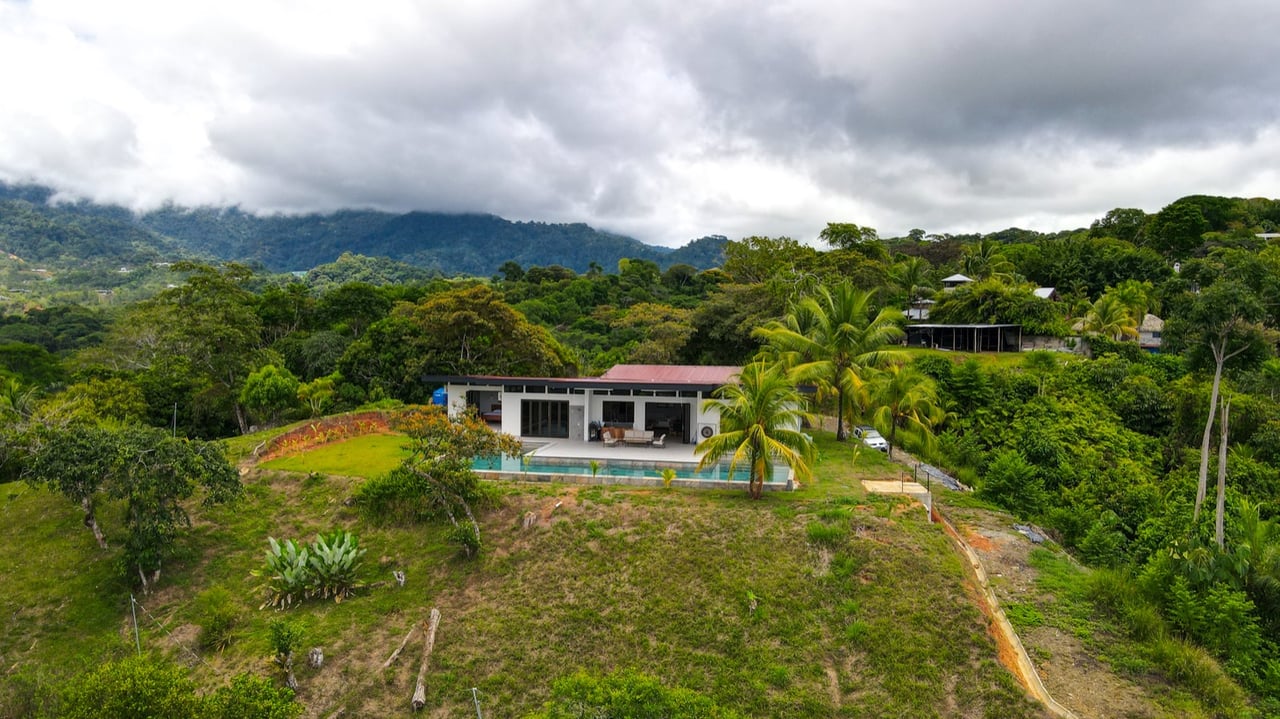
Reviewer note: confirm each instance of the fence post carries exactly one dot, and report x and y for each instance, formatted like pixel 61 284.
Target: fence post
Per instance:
pixel 133 608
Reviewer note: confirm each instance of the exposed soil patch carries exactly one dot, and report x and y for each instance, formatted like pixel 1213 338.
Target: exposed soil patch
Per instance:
pixel 1069 669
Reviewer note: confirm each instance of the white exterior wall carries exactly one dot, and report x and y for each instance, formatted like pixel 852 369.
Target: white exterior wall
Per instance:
pixel 591 400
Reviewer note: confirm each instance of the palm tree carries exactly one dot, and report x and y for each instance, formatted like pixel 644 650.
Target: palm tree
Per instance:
pixel 832 339
pixel 760 417
pixel 1139 297
pixel 984 259
pixel 906 397
pixel 911 275
pixel 1111 318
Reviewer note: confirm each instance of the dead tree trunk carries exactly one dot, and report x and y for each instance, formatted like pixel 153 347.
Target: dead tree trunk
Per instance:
pixel 1202 482
pixel 1218 531
pixel 428 643
pixel 400 648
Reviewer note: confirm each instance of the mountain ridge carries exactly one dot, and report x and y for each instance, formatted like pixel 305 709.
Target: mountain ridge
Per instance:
pixel 461 243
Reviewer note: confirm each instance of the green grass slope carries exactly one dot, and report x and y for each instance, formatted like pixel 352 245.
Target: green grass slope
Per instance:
pixel 818 603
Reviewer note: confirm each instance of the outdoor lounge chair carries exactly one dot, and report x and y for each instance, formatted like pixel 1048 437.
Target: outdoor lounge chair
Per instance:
pixel 609 438
pixel 660 441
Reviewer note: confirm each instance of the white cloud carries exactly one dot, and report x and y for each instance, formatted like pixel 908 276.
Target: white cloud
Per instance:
pixel 665 120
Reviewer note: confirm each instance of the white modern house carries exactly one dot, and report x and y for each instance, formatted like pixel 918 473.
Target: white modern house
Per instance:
pixel 662 399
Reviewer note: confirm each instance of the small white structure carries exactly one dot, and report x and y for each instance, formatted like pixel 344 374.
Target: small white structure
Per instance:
pixel 1150 333
pixel 954 281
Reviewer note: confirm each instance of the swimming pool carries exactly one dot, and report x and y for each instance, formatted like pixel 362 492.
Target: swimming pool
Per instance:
pixel 618 468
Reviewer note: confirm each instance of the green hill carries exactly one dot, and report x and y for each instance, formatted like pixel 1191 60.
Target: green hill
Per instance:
pixel 814 604
pixel 473 244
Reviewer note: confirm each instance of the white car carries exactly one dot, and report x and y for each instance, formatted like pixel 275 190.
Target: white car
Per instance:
pixel 871 438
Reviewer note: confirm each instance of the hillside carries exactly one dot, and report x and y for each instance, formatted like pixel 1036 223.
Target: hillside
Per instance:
pixel 471 244
pixel 817 604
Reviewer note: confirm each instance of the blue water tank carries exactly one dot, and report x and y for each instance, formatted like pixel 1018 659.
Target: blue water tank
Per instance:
pixel 440 397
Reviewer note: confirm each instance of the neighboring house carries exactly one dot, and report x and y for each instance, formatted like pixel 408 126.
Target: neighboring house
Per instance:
pixel 1150 333
pixel 664 399
pixel 954 281
pixel 1046 293
pixel 966 338
pixel 918 311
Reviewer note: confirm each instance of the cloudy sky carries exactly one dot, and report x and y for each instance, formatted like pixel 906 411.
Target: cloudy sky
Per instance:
pixel 664 120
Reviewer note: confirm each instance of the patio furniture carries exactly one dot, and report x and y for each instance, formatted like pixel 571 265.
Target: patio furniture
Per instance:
pixel 660 441
pixel 638 437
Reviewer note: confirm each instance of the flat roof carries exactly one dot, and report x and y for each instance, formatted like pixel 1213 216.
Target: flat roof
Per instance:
pixel 678 377
pixel 957 327
pixel 671 374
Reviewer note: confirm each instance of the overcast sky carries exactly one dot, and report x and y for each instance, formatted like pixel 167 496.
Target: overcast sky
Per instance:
pixel 662 120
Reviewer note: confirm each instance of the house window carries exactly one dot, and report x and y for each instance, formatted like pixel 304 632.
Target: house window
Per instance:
pixel 615 413
pixel 544 418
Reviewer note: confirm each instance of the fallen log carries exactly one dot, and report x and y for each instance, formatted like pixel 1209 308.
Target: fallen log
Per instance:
pixel 428 643
pixel 400 648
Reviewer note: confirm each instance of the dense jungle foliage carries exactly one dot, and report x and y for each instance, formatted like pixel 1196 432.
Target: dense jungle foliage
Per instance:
pixel 1162 467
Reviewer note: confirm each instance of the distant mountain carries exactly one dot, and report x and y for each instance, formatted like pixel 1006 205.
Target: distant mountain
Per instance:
pixel 471 244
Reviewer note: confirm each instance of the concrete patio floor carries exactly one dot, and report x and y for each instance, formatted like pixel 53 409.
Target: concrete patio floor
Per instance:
pixel 673 452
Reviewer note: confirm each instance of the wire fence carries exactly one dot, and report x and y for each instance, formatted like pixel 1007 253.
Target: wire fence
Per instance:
pixel 134 606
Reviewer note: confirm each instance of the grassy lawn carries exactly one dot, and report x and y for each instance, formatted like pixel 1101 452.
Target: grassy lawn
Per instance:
pixel 988 360
pixel 366 456
pixel 816 603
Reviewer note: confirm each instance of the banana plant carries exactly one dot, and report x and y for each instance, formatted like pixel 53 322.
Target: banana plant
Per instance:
pixel 287 572
pixel 335 565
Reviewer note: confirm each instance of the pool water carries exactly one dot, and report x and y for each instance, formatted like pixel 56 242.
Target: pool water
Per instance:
pixel 611 468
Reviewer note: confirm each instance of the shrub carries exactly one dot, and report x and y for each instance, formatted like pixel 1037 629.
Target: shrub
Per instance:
pixel 141 686
pixel 1193 667
pixel 286 637
pixel 250 697
pixel 1014 483
pixel 466 535
pixel 217 618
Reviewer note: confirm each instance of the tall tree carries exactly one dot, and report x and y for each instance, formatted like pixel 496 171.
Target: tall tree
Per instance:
pixel 760 417
pixel 464 331
pixel 152 471
pixel 847 236
pixel 1222 324
pixel 834 338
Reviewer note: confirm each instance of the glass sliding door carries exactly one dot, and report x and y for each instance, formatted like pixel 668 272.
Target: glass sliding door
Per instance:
pixel 544 418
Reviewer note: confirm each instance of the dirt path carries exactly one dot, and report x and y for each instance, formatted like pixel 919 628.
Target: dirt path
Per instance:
pixel 1070 671
pixel 1056 667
